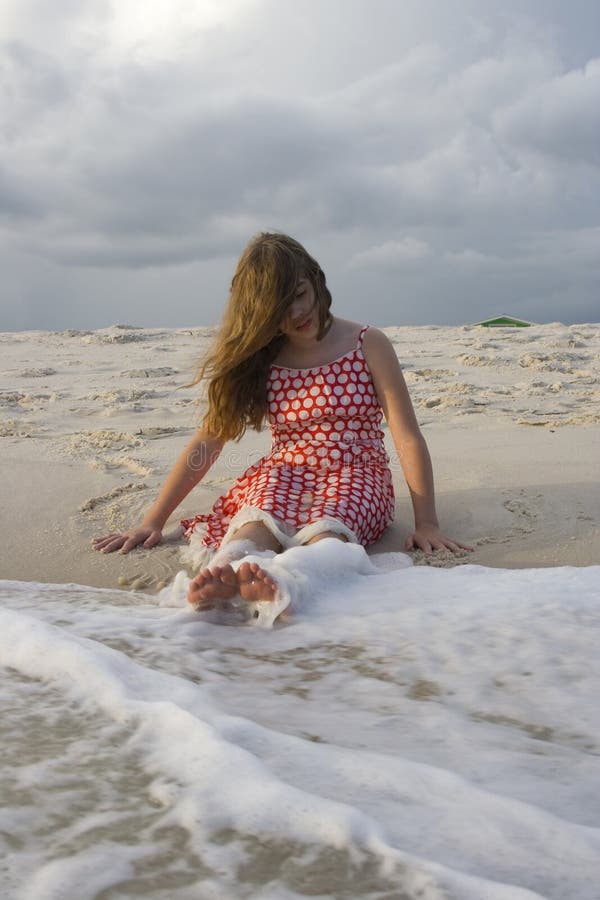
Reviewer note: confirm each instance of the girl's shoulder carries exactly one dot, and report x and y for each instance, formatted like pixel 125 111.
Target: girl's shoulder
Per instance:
pixel 349 332
pixel 378 349
pixel 375 337
pixel 353 335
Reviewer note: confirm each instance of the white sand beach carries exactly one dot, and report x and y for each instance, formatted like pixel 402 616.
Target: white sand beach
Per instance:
pixel 419 732
pixel 90 423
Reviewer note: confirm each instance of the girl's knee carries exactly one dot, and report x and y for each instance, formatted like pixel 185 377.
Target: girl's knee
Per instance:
pixel 258 533
pixel 327 534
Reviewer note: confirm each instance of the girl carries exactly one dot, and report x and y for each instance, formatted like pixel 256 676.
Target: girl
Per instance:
pixel 323 383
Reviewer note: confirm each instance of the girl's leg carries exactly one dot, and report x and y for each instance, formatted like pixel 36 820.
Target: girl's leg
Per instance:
pixel 304 571
pixel 327 534
pixel 251 581
pixel 254 582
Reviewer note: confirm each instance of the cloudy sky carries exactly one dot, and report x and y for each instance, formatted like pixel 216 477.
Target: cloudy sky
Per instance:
pixel 441 158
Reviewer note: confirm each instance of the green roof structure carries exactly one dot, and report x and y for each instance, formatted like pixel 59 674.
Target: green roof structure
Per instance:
pixel 504 322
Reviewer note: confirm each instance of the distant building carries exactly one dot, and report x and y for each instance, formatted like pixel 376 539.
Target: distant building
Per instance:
pixel 504 322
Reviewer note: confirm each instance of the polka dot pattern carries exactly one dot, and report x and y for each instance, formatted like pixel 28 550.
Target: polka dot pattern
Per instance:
pixel 327 456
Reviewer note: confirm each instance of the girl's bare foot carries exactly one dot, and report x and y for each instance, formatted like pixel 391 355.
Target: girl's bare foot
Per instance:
pixel 254 583
pixel 220 583
pixel 210 585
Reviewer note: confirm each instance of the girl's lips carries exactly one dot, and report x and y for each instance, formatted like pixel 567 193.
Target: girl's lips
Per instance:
pixel 303 325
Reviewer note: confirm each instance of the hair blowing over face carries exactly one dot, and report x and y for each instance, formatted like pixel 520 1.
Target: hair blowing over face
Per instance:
pixel 262 290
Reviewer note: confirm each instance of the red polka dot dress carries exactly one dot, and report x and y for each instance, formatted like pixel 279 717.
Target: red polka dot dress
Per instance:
pixel 327 458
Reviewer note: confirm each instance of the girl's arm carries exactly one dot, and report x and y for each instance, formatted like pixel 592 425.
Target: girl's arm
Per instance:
pixel 409 442
pixel 191 466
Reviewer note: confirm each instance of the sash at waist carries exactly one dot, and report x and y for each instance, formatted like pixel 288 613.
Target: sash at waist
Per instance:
pixel 328 453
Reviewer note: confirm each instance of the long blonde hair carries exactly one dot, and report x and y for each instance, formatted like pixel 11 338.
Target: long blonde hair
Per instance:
pixel 262 290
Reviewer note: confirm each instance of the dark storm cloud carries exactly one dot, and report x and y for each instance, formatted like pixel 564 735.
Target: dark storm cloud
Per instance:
pixel 15 200
pixel 32 84
pixel 224 162
pixel 454 149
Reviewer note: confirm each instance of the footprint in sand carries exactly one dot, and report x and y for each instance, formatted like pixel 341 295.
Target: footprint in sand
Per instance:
pixel 37 373
pixel 525 514
pixel 93 502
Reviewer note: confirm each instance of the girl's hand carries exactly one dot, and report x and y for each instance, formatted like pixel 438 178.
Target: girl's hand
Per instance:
pixel 429 538
pixel 144 534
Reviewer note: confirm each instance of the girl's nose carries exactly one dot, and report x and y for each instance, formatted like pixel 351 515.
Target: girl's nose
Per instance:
pixel 296 309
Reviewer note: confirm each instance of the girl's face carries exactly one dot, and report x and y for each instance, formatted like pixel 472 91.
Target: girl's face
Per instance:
pixel 301 319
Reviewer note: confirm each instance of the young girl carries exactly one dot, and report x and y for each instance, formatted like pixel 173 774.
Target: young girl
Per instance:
pixel 323 384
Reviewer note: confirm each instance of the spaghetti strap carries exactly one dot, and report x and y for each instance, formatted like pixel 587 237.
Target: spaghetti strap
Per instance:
pixel 361 336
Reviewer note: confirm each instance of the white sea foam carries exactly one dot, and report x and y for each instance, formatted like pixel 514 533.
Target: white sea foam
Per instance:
pixel 409 732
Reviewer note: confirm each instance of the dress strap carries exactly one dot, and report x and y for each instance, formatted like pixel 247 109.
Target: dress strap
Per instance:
pixel 361 335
